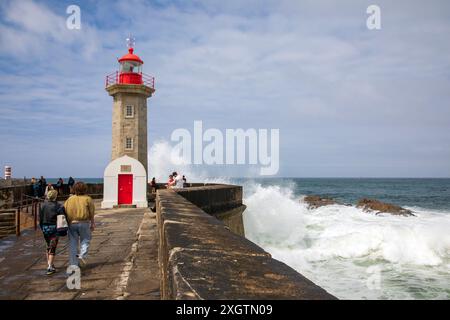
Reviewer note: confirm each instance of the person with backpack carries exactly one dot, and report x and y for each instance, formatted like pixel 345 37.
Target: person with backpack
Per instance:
pixel 48 217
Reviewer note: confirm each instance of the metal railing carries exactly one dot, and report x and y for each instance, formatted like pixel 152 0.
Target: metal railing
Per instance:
pixel 30 204
pixel 26 204
pixel 114 77
pixel 148 81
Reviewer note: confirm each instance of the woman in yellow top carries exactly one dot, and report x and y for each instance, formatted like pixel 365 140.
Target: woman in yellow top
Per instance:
pixel 80 216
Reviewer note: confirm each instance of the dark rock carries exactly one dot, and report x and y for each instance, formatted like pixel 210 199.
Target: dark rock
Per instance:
pixel 369 205
pixel 315 202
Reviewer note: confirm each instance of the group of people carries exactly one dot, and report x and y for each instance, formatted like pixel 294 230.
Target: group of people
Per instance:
pixel 41 188
pixel 176 181
pixel 78 210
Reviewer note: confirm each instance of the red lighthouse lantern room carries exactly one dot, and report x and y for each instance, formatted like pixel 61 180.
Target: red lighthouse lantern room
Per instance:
pixel 130 70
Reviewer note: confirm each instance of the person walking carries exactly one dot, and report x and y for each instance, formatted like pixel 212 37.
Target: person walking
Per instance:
pixel 48 213
pixel 80 213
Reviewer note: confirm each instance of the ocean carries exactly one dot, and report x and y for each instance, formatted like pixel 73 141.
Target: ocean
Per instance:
pixel 351 253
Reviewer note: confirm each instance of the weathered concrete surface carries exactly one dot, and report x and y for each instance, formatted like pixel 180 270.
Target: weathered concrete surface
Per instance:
pixel 122 263
pixel 200 258
pixel 213 198
pixel 224 202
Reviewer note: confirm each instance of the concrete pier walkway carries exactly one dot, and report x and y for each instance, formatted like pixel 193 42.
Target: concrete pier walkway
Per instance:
pixel 122 262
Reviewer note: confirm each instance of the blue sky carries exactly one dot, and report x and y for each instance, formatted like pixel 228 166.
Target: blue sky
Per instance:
pixel 349 102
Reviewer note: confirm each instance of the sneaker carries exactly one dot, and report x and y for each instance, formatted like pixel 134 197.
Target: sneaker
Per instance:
pixel 82 262
pixel 51 270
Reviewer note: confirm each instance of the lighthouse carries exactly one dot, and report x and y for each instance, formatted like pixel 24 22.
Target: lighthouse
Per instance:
pixel 125 178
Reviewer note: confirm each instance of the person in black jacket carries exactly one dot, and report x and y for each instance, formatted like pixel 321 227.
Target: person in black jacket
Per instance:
pixel 70 183
pixel 42 185
pixel 50 209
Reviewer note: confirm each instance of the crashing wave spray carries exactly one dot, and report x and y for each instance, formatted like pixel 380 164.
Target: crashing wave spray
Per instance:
pixel 161 163
pixel 342 248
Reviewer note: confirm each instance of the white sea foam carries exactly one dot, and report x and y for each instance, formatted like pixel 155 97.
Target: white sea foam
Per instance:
pixel 336 245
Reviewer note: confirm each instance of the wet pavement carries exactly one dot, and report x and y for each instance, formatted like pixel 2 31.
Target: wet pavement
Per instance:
pixel 122 262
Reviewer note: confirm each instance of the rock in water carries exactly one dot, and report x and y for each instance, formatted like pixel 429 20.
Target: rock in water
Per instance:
pixel 315 202
pixel 381 207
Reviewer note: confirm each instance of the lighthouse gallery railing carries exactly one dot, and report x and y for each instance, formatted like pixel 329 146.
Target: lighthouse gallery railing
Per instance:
pixel 113 78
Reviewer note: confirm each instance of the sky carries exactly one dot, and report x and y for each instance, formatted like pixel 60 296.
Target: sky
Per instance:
pixel 348 101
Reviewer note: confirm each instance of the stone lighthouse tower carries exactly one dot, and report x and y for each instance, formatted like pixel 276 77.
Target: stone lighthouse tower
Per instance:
pixel 130 89
pixel 125 178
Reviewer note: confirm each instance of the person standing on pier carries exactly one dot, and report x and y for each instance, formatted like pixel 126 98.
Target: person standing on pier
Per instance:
pixel 178 180
pixel 36 187
pixel 80 212
pixel 59 186
pixel 50 209
pixel 42 186
pixel 171 182
pixel 70 183
pixel 48 188
pixel 153 185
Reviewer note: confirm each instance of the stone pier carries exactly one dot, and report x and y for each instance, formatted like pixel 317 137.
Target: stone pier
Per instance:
pixel 123 261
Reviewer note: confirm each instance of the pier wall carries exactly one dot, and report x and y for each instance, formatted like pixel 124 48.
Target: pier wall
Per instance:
pixel 223 202
pixel 201 258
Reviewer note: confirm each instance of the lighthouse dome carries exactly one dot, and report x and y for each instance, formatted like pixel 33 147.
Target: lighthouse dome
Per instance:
pixel 130 56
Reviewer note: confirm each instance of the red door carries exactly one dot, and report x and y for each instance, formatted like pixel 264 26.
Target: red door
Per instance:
pixel 125 189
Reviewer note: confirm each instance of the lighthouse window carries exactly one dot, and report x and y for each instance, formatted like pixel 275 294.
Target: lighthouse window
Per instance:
pixel 129 143
pixel 131 66
pixel 127 66
pixel 129 112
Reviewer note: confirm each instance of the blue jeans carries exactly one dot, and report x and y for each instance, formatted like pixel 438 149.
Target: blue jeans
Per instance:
pixel 79 233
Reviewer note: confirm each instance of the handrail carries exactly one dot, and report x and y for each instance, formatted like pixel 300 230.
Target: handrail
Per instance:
pixel 35 202
pixel 26 202
pixel 113 78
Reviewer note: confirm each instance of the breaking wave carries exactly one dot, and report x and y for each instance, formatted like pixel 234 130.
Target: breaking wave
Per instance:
pixel 351 253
